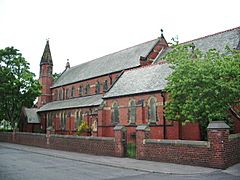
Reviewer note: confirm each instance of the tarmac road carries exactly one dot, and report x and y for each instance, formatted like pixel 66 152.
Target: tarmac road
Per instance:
pixel 18 162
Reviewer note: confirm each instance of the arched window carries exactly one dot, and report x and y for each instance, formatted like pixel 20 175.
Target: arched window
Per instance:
pixel 87 89
pixel 73 92
pixel 67 93
pixel 63 120
pixel 60 94
pixel 49 71
pixel 115 113
pixel 152 110
pixel 63 94
pixel 78 118
pixel 98 86
pixel 56 94
pixel 49 119
pixel 105 86
pixel 80 90
pixel 132 111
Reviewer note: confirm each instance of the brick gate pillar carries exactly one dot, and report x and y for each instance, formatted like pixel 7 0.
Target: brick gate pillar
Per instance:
pixel 120 140
pixel 218 132
pixel 142 133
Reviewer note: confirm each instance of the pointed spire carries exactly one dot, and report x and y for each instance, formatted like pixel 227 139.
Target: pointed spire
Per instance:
pixel 67 64
pixel 46 57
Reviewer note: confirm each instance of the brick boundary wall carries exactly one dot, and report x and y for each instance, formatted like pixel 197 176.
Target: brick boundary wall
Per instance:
pixel 220 151
pixel 81 144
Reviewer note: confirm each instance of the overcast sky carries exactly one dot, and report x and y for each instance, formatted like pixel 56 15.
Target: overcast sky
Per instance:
pixel 82 30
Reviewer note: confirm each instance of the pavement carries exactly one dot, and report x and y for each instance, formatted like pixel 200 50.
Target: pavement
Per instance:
pixel 125 163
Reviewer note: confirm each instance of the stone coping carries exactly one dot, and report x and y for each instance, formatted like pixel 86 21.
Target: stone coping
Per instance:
pixel 177 142
pixel 94 138
pixel 32 134
pixel 232 137
pixel 218 125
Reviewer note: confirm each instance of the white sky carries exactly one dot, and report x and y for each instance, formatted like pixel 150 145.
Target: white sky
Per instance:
pixel 82 30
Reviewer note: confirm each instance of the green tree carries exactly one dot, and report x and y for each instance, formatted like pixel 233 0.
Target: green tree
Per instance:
pixel 56 76
pixel 203 86
pixel 18 88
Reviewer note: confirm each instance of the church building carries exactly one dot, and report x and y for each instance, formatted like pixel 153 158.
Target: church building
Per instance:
pixel 125 87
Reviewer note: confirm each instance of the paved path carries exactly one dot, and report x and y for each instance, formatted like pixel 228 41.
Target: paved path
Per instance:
pixel 98 167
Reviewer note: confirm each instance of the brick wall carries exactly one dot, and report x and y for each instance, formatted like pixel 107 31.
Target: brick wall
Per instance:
pixel 81 144
pixel 220 151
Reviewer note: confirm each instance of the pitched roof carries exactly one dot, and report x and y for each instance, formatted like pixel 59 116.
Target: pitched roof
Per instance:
pixel 145 79
pixel 217 41
pixel 46 57
pixel 73 103
pixel 31 114
pixel 125 59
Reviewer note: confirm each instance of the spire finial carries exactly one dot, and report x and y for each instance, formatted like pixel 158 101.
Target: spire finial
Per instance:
pixel 161 32
pixel 67 64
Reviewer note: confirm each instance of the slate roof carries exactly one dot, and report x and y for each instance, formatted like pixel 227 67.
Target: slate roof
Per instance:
pixel 31 114
pixel 73 103
pixel 125 59
pixel 217 41
pixel 141 80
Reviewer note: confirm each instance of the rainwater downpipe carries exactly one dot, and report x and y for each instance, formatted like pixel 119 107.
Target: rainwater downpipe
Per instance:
pixel 164 119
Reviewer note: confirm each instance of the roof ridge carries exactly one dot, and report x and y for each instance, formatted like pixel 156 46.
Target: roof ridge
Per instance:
pixel 114 53
pixel 147 66
pixel 214 34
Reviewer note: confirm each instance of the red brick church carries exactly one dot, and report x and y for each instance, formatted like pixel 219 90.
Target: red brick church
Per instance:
pixel 125 87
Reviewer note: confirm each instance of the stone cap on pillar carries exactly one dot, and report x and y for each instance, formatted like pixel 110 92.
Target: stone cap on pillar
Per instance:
pixel 218 125
pixel 119 127
pixel 143 127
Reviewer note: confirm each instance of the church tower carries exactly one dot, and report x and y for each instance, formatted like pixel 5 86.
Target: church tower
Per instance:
pixel 45 76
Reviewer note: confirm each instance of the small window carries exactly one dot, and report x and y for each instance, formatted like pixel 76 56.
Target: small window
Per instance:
pixel 73 92
pixel 98 86
pixel 87 89
pixel 132 112
pixel 80 90
pixel 152 110
pixel 105 86
pixel 115 113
